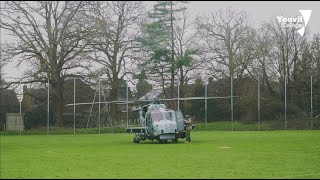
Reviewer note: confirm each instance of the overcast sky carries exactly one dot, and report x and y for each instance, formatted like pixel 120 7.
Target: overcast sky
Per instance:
pixel 258 12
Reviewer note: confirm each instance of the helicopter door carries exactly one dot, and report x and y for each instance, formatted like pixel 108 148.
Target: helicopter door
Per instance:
pixel 180 122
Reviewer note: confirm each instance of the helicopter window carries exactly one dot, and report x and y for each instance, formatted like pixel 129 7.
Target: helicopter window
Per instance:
pixel 168 115
pixel 179 116
pixel 156 115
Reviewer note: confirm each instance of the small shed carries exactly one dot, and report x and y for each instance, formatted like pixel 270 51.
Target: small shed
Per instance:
pixel 14 122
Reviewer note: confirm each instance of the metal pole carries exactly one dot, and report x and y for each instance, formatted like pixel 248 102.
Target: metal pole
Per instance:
pixel 232 100
pixel 178 94
pixel 206 94
pixel 285 103
pixel 99 102
pixel 74 106
pixel 20 108
pixel 311 113
pixel 127 105
pixel 48 107
pixel 259 102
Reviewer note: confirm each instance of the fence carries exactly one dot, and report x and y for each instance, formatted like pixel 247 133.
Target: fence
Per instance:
pixel 252 107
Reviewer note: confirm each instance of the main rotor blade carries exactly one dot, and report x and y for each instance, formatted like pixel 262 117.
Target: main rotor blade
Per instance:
pixel 108 102
pixel 197 98
pixel 133 101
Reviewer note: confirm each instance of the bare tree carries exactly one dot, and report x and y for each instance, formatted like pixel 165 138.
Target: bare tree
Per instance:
pixel 262 65
pixel 315 50
pixel 187 50
pixel 49 36
pixel 116 28
pixel 286 50
pixel 3 84
pixel 224 34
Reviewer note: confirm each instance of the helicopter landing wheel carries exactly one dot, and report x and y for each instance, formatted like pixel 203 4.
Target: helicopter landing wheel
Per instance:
pixel 135 140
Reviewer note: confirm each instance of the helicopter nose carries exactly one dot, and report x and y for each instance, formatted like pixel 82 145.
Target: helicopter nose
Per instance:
pixel 168 127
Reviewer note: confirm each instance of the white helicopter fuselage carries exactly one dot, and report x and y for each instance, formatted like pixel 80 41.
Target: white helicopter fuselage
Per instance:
pixel 159 123
pixel 164 127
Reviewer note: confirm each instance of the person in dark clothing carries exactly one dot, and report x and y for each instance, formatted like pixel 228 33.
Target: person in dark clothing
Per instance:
pixel 188 122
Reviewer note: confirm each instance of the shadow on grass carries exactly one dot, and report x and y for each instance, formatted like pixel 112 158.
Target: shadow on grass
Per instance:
pixel 168 142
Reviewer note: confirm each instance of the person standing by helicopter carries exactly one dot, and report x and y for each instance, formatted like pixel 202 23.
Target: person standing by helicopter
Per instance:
pixel 188 122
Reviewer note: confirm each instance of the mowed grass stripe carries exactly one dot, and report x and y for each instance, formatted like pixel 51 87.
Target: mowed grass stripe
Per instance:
pixel 250 154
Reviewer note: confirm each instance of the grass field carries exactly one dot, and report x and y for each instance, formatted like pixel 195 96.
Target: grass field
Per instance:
pixel 211 154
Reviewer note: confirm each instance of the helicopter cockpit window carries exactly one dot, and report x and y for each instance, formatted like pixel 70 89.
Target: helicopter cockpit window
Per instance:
pixel 156 115
pixel 168 115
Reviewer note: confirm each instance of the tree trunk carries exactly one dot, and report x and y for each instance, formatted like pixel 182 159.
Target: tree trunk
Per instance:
pixel 57 98
pixel 181 89
pixel 172 53
pixel 114 96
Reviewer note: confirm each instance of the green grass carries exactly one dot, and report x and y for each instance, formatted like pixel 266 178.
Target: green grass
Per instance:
pixel 62 131
pixel 211 126
pixel 227 126
pixel 251 154
pixel 200 126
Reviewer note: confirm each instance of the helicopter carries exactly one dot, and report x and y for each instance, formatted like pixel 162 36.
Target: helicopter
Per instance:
pixel 159 123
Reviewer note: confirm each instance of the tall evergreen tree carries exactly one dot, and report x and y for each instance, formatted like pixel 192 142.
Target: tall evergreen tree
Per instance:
pixel 158 41
pixel 143 86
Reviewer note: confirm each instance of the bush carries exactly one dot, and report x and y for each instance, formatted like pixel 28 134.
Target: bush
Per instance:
pixel 2 120
pixel 36 117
